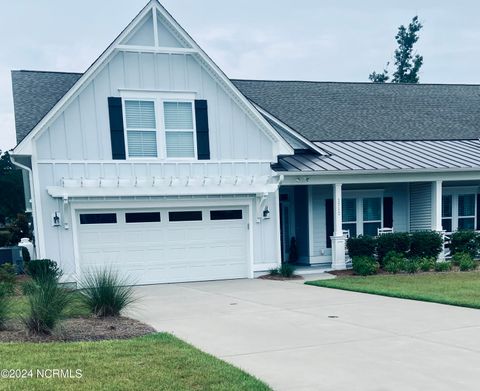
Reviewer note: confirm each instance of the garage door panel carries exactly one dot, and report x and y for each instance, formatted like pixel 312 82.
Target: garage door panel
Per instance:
pixel 165 251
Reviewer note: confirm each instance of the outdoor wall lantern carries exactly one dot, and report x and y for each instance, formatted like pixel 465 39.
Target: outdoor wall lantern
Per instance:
pixel 56 219
pixel 266 213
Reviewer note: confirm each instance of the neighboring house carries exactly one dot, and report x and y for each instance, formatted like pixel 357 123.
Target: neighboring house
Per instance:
pixel 154 163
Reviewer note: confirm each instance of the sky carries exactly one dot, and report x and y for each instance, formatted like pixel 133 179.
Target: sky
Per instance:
pixel 324 40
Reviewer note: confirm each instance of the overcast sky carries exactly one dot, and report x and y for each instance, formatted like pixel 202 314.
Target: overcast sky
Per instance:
pixel 342 40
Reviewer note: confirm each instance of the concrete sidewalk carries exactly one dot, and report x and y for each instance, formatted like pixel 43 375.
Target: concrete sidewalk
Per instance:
pixel 298 337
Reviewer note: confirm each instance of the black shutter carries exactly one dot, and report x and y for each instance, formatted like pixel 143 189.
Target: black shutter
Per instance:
pixel 201 121
pixel 329 221
pixel 117 137
pixel 388 212
pixel 478 212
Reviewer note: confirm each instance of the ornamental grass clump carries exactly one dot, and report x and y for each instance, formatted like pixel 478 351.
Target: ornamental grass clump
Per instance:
pixel 47 303
pixel 105 293
pixel 5 304
pixel 286 270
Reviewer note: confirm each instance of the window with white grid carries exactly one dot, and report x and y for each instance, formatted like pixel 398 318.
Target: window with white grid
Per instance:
pixel 141 128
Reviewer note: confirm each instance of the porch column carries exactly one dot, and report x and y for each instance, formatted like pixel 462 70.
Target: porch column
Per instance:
pixel 338 240
pixel 437 206
pixel 437 212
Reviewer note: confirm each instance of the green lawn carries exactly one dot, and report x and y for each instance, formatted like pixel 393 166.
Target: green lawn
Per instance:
pixel 154 362
pixel 455 288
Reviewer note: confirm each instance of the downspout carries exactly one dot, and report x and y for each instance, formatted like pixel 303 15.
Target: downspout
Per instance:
pixel 33 200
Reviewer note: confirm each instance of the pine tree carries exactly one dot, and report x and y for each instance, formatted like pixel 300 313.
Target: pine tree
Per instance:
pixel 407 63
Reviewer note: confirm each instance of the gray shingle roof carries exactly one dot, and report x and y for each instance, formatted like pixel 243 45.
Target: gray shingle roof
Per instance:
pixel 320 111
pixel 331 111
pixel 386 155
pixel 35 93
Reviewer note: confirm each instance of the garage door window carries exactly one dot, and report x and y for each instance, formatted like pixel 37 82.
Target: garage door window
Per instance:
pixel 195 215
pixel 226 214
pixel 98 218
pixel 142 217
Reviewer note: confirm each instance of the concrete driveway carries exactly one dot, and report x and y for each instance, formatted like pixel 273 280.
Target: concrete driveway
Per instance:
pixel 298 337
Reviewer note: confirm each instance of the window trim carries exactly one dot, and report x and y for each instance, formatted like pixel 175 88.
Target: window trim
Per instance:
pixel 158 97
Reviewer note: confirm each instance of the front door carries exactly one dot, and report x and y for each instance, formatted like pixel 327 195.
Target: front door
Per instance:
pixel 287 225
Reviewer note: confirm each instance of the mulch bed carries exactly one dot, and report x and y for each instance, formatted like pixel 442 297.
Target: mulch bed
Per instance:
pixel 280 278
pixel 80 329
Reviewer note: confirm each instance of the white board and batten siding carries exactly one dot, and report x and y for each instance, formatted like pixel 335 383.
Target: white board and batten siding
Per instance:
pixel 76 144
pixel 84 123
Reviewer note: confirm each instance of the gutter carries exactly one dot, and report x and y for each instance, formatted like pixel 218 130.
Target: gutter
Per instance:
pixel 32 192
pixel 393 171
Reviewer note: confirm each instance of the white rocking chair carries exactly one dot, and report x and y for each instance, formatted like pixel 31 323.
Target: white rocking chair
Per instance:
pixel 384 230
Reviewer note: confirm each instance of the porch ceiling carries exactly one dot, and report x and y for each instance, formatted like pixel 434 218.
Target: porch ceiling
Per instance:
pixel 386 155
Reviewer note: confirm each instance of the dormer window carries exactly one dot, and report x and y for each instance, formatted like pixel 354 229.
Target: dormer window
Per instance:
pixel 179 129
pixel 160 128
pixel 141 128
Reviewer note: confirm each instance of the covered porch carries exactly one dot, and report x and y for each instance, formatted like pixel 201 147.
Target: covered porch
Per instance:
pixel 317 218
pixel 362 187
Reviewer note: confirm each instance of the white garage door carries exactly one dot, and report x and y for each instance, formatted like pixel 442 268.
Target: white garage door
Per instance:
pixel 166 245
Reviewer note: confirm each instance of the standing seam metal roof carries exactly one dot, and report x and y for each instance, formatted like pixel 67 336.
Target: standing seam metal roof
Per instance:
pixel 386 155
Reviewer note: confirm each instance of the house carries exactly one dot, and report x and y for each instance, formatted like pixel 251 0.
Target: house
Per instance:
pixel 154 163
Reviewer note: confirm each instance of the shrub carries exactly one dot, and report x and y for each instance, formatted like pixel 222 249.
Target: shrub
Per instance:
pixel 43 269
pixel 7 277
pixel 105 293
pixel 47 302
pixel 361 246
pixel 442 266
pixel 394 262
pixel 465 242
pixel 426 264
pixel 286 270
pixel 398 242
pixel 5 304
pixel 273 272
pixel 467 264
pixel 5 238
pixel 464 261
pixel 426 244
pixel 364 266
pixel 412 266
